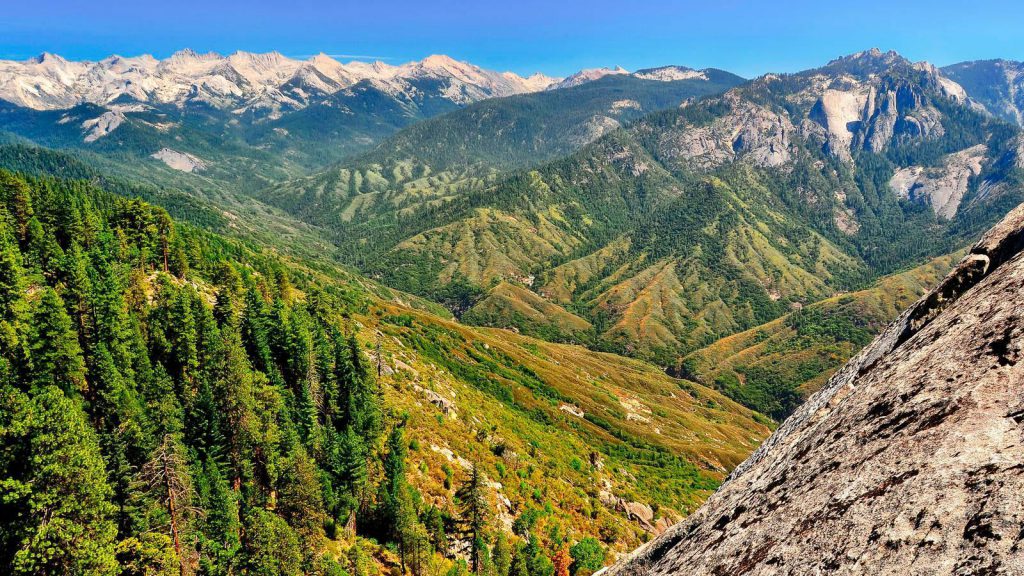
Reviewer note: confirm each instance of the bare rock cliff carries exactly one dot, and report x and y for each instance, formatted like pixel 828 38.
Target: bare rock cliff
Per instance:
pixel 909 461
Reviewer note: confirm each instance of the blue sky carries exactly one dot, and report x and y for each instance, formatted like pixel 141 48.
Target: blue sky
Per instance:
pixel 746 37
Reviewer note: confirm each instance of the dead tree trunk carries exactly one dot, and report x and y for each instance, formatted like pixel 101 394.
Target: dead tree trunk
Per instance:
pixel 166 475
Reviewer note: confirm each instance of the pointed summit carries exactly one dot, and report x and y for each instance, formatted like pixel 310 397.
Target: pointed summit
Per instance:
pixel 867 62
pixel 439 61
pixel 47 58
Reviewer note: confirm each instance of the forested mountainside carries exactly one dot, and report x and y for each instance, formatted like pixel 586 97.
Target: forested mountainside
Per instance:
pixel 995 84
pixel 464 150
pixel 527 129
pixel 219 211
pixel 694 223
pixel 175 402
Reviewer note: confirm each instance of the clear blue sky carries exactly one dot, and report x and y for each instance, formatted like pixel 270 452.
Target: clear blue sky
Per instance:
pixel 557 37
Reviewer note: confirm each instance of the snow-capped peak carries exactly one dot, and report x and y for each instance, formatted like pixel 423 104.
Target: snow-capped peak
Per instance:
pixel 47 58
pixel 238 81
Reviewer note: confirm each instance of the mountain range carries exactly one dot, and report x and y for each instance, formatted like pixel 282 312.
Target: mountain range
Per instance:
pixel 686 225
pixel 243 82
pixel 244 120
pixel 338 292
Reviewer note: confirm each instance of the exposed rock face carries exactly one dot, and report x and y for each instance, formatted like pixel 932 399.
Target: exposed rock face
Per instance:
pixel 942 187
pixel 751 133
pixel 863 116
pixel 909 461
pixel 179 160
pixel 102 125
pixel 868 101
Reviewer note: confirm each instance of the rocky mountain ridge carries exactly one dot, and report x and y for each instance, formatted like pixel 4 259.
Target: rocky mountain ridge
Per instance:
pixel 997 84
pixel 242 81
pixel 906 462
pixel 662 73
pixel 691 223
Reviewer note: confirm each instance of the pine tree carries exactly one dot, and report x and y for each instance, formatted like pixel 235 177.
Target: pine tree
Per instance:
pixel 301 498
pixel 502 555
pixel 57 514
pixel 475 514
pixel 14 355
pixel 166 477
pixel 17 198
pixel 120 418
pixel 396 511
pixel 42 251
pixel 358 397
pixel 12 283
pixel 434 522
pixel 220 529
pixel 56 354
pixel 77 288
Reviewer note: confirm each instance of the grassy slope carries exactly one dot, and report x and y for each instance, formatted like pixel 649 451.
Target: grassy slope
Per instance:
pixel 528 312
pixel 660 441
pixel 774 366
pixel 447 157
pixel 643 436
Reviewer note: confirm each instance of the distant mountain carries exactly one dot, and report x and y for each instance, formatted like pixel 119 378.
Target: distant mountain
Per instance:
pixel 242 121
pixel 996 84
pixel 691 223
pixel 664 73
pixel 247 120
pixel 475 143
pixel 588 75
pixel 242 82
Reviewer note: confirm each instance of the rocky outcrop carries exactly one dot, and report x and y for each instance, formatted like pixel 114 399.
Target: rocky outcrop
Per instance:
pixel 942 187
pixel 748 132
pixel 868 117
pixel 96 128
pixel 908 461
pixel 181 161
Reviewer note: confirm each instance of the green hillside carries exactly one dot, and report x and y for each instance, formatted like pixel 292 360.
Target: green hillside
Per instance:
pixel 437 160
pixel 689 224
pixel 774 367
pixel 175 401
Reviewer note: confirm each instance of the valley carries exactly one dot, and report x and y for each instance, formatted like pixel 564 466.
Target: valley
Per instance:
pixel 293 315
